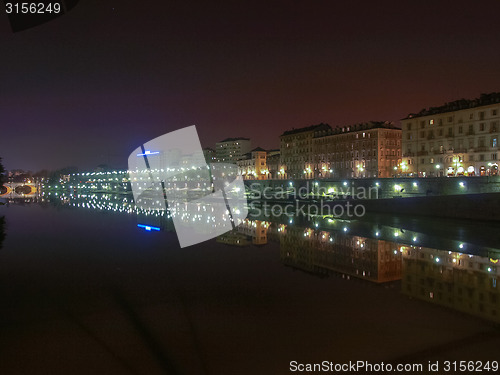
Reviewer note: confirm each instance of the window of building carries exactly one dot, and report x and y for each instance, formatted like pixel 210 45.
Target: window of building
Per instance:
pixel 494 142
pixel 471 116
pixel 481 115
pixel 493 112
pixel 431 122
pixel 450 132
pixel 450 119
pixel 440 122
pixel 471 129
pixel 481 126
pixel 432 160
pixel 494 156
pixel 408 127
pixel 422 124
pixel 440 132
pixel 481 157
pixel 460 129
pixel 422 134
pixel 493 127
pixel 471 157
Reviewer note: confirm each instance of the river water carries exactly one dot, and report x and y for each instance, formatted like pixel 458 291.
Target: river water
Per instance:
pixel 85 288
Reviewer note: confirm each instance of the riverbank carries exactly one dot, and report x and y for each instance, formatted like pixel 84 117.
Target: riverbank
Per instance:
pixel 472 198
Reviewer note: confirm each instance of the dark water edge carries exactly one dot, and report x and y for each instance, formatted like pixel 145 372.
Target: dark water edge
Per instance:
pixel 89 292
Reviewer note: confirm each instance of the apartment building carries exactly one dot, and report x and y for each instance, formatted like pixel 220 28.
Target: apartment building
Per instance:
pixel 370 149
pixel 296 148
pixel 230 150
pixel 253 166
pixel 456 139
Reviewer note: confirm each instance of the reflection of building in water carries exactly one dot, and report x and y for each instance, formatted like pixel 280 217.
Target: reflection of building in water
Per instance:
pixel 234 238
pixel 467 283
pixel 325 252
pixel 255 229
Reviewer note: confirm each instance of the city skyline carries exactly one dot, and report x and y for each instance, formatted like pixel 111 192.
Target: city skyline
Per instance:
pixel 91 86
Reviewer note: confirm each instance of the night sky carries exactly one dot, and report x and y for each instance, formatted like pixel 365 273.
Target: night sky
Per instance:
pixel 92 85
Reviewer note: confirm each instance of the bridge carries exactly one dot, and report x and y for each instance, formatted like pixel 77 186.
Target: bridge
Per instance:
pixel 18 190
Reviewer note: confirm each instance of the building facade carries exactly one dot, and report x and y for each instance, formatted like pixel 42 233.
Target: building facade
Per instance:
pixel 274 164
pixel 253 165
pixel 230 150
pixel 371 149
pixel 296 148
pixel 459 138
pixel 209 154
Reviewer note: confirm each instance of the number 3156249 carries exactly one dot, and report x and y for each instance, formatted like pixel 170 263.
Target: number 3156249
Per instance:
pixel 32 8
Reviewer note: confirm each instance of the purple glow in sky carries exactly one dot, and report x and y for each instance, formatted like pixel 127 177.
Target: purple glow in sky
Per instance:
pixel 91 86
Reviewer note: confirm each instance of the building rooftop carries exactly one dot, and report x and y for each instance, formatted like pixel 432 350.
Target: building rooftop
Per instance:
pixel 457 105
pixel 356 127
pixel 234 139
pixel 321 126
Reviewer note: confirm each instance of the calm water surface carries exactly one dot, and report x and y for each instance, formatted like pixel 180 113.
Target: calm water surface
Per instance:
pixel 83 289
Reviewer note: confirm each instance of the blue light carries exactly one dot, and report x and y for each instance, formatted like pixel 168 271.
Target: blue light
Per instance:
pixel 147 152
pixel 149 228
